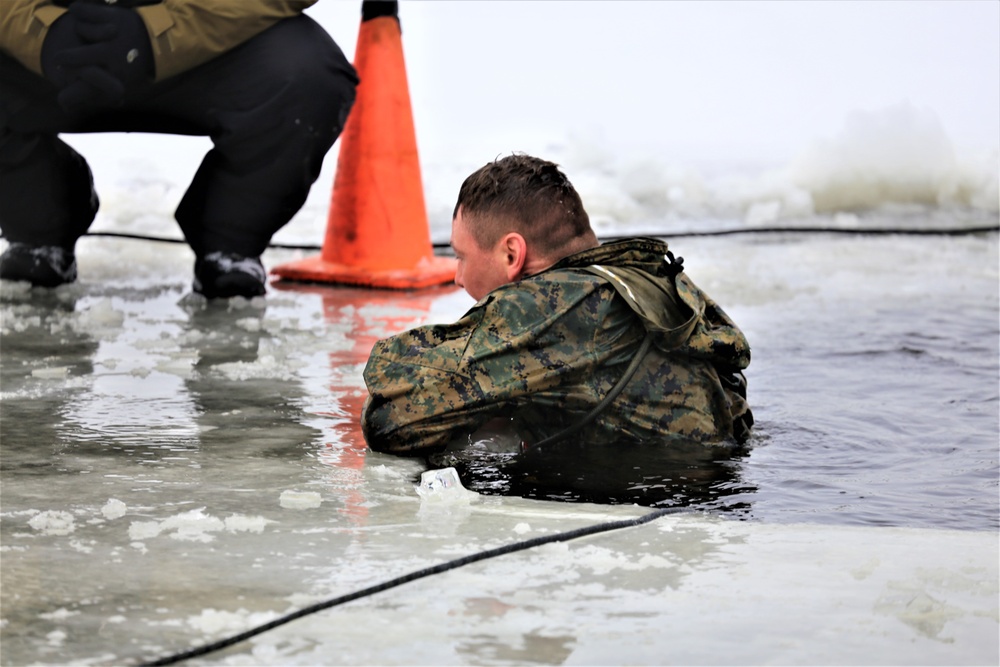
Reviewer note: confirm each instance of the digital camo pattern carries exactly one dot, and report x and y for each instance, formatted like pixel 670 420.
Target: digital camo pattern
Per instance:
pixel 545 350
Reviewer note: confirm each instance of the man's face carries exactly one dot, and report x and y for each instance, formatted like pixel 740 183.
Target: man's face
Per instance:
pixel 479 271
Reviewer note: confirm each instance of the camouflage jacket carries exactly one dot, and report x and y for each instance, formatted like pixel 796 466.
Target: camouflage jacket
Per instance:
pixel 545 350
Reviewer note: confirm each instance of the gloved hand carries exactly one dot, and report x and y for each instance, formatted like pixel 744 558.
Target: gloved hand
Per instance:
pixel 95 54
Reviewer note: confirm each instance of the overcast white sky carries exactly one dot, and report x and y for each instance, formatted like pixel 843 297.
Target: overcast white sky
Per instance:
pixel 720 80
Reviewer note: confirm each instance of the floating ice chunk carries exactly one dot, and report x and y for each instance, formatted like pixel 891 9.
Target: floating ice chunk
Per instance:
pixel 144 530
pixel 14 289
pixel 443 485
pixel 249 324
pixel 266 366
pixel 216 621
pixel 299 500
pixel 522 528
pixel 177 363
pixel 246 524
pixel 23 324
pixel 53 522
pixel 81 547
pixel 101 317
pixel 384 472
pixel 193 525
pixel 60 614
pixel 56 638
pixel 52 373
pixel 602 560
pixel 113 509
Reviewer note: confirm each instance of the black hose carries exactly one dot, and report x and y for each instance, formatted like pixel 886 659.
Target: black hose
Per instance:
pixel 868 231
pixel 413 576
pixel 862 231
pixel 606 401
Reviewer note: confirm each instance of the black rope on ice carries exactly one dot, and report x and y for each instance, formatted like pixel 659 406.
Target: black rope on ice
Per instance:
pixel 864 231
pixel 165 239
pixel 870 231
pixel 606 401
pixel 413 576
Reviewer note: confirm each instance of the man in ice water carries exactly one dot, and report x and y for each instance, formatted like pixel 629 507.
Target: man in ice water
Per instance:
pixel 263 80
pixel 557 323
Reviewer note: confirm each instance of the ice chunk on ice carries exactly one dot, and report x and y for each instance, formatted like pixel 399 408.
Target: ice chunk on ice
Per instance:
pixel 193 525
pixel 238 523
pixel 53 522
pixel 217 621
pixel 100 318
pixel 113 509
pixel 144 530
pixel 384 472
pixel 249 324
pixel 51 373
pixel 299 500
pixel 443 485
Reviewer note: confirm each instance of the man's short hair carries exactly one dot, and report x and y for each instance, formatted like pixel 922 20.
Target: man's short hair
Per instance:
pixel 527 195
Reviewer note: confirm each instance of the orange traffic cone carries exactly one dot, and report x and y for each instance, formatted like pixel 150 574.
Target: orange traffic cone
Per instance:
pixel 377 232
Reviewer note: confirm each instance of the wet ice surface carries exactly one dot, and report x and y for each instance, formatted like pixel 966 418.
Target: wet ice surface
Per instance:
pixel 174 472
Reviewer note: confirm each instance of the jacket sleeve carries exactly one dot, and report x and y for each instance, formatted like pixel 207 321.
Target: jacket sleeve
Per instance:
pixel 187 33
pixel 420 393
pixel 430 384
pixel 23 26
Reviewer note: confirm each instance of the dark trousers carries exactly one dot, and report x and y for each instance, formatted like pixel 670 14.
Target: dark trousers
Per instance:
pixel 273 107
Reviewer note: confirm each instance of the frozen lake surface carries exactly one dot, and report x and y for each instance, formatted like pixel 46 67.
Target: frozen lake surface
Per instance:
pixel 175 471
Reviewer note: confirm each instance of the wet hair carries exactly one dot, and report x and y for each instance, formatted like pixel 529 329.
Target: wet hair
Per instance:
pixel 527 195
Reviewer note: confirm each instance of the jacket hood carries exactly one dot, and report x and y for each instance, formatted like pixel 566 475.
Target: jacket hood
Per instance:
pixel 652 281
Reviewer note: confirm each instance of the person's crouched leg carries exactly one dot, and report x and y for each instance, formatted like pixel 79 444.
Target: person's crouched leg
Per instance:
pixel 275 105
pixel 47 197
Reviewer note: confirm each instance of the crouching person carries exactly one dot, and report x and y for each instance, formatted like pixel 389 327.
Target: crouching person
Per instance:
pixel 262 79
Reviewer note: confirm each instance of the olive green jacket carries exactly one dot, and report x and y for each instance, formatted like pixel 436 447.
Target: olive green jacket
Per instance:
pixel 545 350
pixel 183 33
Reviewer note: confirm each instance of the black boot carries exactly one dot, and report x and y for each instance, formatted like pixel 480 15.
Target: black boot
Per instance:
pixel 42 266
pixel 220 275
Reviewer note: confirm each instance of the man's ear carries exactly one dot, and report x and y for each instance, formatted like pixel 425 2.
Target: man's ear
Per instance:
pixel 515 254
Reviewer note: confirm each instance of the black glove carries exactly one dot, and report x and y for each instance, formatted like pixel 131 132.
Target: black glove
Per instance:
pixel 95 54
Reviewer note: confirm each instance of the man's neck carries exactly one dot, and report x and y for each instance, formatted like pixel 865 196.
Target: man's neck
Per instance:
pixel 536 264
